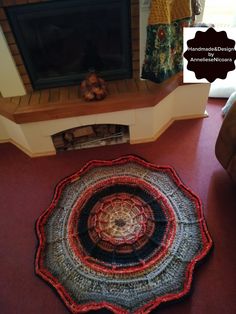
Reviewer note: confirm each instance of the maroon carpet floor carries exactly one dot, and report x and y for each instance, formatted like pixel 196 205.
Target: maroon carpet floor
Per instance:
pixel 27 186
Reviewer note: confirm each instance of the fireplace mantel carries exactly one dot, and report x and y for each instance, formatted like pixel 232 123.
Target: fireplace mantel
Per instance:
pixel 64 102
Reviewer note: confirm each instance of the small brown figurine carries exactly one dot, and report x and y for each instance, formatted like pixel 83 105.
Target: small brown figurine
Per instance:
pixel 93 87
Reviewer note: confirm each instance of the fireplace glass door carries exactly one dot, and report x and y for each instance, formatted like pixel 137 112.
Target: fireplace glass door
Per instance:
pixel 61 41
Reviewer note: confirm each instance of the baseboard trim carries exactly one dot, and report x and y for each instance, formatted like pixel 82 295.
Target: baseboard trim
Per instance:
pixel 166 126
pixel 26 151
pixel 5 141
pixel 138 141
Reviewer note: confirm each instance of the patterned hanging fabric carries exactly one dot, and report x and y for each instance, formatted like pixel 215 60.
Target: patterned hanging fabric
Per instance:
pixel 164 46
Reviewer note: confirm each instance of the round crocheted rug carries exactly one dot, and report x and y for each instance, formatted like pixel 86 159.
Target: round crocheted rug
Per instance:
pixel 123 235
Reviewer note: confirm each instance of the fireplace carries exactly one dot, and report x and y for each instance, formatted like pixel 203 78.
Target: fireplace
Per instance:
pixel 141 110
pixel 60 41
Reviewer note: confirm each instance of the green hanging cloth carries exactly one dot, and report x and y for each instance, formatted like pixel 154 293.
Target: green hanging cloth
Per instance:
pixel 164 46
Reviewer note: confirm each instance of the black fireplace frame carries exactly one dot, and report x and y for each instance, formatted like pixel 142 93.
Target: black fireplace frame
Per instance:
pixel 17 13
